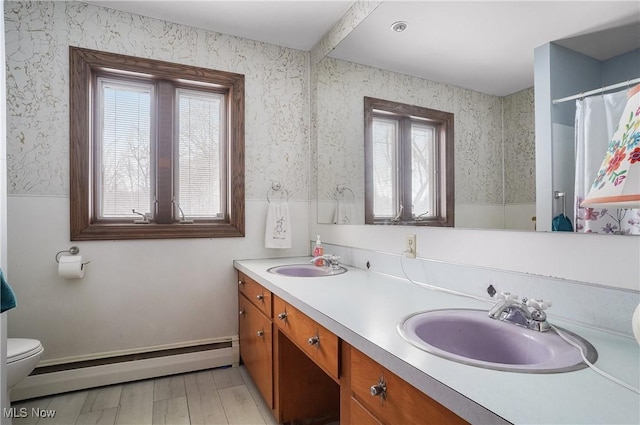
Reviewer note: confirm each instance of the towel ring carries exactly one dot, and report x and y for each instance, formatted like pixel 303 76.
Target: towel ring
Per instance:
pixel 276 187
pixel 339 193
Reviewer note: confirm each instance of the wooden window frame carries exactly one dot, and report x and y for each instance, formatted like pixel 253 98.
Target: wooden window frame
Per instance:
pixel 444 121
pixel 84 65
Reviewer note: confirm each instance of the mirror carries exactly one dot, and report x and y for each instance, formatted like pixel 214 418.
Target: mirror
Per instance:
pixel 486 190
pixel 495 143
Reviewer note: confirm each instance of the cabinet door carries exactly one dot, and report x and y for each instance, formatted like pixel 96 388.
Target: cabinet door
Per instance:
pixel 256 347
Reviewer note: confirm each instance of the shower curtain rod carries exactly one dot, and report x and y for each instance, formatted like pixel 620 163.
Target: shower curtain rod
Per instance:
pixel 597 91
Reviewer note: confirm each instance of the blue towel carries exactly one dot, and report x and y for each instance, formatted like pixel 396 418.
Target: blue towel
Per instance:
pixel 561 223
pixel 7 297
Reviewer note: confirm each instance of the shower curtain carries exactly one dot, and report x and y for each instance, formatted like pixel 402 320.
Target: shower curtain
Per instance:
pixel 596 120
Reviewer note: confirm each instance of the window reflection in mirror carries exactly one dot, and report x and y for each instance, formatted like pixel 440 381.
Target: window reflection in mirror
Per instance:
pixel 409 164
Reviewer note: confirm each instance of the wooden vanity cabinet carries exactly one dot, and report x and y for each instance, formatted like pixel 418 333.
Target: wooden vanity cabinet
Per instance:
pixel 255 329
pixel 298 380
pixel 396 401
pixel 306 374
pixel 314 340
pixel 359 415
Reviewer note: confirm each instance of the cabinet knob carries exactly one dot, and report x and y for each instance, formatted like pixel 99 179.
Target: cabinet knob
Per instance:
pixel 240 282
pixel 260 333
pixel 314 340
pixel 260 297
pixel 241 312
pixel 379 389
pixel 282 316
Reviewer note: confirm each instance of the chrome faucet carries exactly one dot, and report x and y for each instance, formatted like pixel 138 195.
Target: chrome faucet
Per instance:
pixel 330 260
pixel 509 309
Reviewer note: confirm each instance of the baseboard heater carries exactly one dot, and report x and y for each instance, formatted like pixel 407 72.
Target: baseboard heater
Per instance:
pixel 78 375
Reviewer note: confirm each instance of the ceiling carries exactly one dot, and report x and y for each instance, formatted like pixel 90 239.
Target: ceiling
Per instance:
pixel 484 46
pixel 290 23
pixel 481 45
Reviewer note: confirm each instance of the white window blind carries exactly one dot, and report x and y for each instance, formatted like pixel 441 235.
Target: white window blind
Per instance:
pixel 201 164
pixel 124 122
pixel 385 159
pixel 423 169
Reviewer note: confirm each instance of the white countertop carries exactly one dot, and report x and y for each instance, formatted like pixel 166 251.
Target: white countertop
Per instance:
pixel 363 308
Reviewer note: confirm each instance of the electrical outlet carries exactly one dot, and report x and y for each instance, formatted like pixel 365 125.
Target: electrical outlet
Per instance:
pixel 410 246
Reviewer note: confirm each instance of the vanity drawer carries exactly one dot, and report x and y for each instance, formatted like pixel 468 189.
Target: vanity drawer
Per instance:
pixel 402 403
pixel 255 293
pixel 314 340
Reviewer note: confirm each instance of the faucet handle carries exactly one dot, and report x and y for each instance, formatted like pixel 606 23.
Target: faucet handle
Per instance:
pixel 539 304
pixel 331 258
pixel 504 295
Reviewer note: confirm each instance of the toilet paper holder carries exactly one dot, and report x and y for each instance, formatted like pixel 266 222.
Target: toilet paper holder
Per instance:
pixel 74 250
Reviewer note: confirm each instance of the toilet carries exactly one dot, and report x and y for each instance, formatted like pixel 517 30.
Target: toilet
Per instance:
pixel 22 357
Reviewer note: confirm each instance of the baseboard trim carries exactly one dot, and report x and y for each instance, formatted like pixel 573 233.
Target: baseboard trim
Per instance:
pixel 73 379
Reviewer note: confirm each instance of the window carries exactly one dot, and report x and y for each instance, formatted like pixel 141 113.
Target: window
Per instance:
pixel 156 148
pixel 409 164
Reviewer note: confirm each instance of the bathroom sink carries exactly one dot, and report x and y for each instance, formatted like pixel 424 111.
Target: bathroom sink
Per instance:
pixel 472 337
pixel 307 270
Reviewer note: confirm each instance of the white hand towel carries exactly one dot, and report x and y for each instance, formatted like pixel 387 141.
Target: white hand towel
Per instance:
pixel 277 233
pixel 344 213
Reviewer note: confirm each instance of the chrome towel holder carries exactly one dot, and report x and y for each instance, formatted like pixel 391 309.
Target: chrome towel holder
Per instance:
pixel 339 193
pixel 277 188
pixel 558 195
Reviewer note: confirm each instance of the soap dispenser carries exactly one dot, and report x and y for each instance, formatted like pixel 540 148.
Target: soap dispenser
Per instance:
pixel 318 251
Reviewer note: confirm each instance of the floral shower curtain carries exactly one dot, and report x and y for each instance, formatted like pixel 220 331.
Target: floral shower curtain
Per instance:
pixel 596 120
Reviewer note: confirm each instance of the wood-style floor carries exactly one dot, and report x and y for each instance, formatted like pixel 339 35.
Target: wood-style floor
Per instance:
pixel 211 397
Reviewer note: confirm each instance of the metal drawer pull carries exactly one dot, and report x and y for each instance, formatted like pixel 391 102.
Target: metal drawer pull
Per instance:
pixel 260 333
pixel 314 340
pixel 260 297
pixel 379 389
pixel 282 316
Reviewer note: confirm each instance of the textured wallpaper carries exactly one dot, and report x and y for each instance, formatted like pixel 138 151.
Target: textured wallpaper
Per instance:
pixel 340 115
pixel 38 36
pixel 519 147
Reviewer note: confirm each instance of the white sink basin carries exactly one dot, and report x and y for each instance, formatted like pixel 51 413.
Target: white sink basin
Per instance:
pixel 471 337
pixel 306 270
